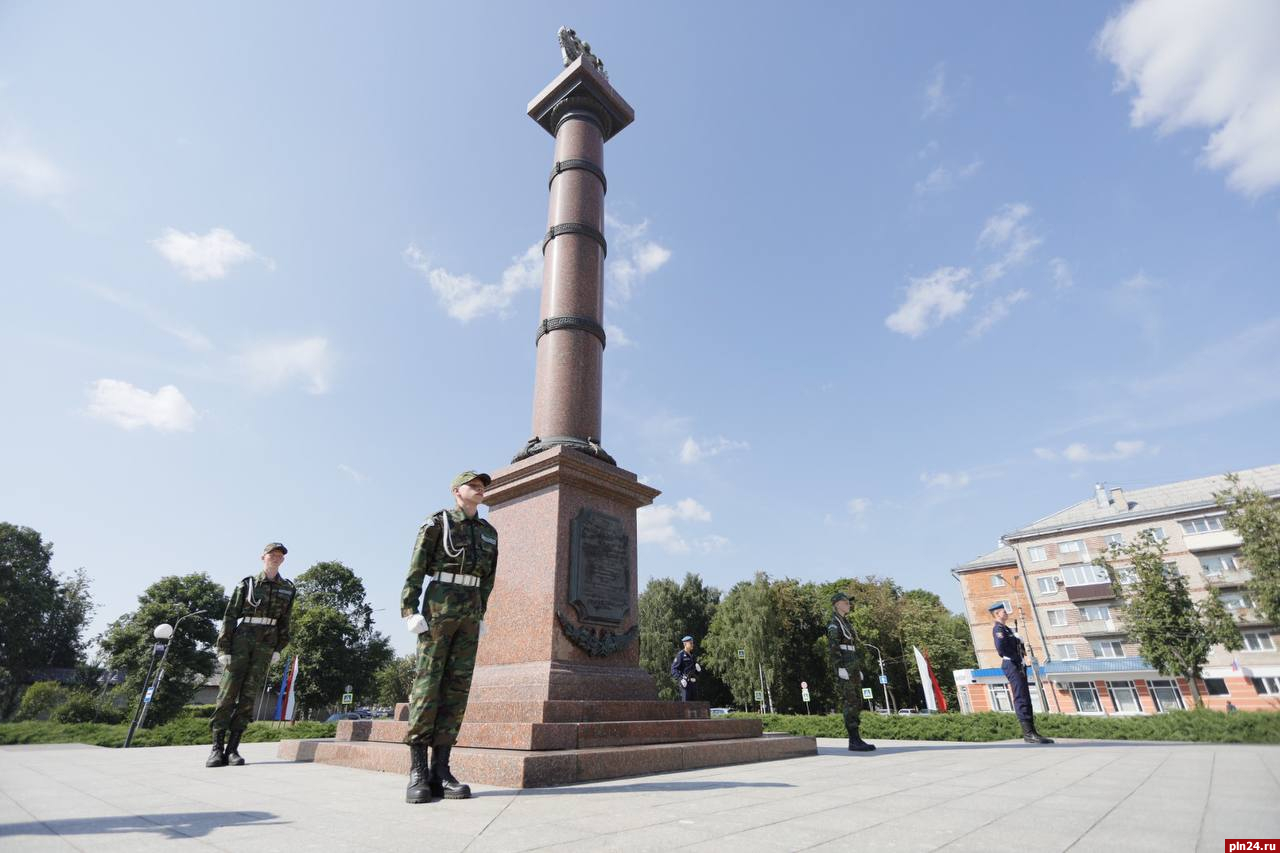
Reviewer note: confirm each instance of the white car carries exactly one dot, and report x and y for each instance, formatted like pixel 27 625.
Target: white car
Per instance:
pixel 720 712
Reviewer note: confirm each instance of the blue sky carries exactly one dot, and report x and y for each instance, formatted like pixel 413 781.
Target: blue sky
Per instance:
pixel 884 282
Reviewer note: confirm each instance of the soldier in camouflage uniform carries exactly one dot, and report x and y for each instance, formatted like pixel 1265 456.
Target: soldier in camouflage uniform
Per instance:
pixel 254 630
pixel 840 638
pixel 459 551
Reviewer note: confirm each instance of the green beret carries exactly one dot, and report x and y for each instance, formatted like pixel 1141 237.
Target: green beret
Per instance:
pixel 839 596
pixel 467 476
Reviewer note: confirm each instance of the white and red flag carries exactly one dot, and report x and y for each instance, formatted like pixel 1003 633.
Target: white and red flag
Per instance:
pixel 932 692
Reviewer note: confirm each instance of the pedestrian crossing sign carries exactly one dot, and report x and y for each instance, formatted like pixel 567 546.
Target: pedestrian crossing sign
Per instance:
pixel 346 698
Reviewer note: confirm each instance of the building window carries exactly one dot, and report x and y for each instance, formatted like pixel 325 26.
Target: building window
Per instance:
pixel 1218 564
pixel 1216 687
pixel 1098 613
pixel 1268 685
pixel 999 694
pixel 1258 641
pixel 1058 617
pixel 1073 547
pixel 1166 695
pixel 1114 540
pixel 1084 573
pixel 1157 533
pixel 996 580
pixel 1127 575
pixel 1204 524
pixel 1171 568
pixel 1086 697
pixel 1048 585
pixel 1124 696
pixel 1036 554
pixel 1235 600
pixel 1065 651
pixel 1107 649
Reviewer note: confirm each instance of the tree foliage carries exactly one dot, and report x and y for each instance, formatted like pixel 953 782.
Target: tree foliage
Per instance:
pixel 1256 518
pixel 44 615
pixel 393 681
pixel 332 633
pixel 128 641
pixel 669 611
pixel 1174 633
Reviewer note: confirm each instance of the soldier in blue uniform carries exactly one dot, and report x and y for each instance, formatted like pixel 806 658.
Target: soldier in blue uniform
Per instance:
pixel 1013 654
pixel 685 669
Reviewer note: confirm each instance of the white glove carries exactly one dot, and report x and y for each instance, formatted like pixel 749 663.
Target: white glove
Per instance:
pixel 684 682
pixel 275 658
pixel 417 624
pixel 843 673
pixel 483 629
pixel 225 660
pixel 698 667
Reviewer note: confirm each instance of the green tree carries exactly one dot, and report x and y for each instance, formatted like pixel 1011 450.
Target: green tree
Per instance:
pixel 393 681
pixel 1256 518
pixel 128 641
pixel 331 631
pixel 669 611
pixel 44 615
pixel 41 700
pixel 1174 633
pixel 944 636
pixel 746 619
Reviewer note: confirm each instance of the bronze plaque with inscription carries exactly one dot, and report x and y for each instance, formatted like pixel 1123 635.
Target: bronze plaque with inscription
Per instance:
pixel 599 568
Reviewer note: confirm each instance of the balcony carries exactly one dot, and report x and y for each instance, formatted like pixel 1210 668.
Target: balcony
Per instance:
pixel 1214 540
pixel 1248 616
pixel 1091 591
pixel 1099 628
pixel 1229 577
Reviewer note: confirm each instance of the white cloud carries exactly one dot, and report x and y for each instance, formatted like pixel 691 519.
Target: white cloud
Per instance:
pixel 1078 452
pixel 997 310
pixel 936 101
pixel 464 298
pixel 657 525
pixel 930 300
pixel 1205 65
pixel 946 480
pixel 352 473
pixel 635 258
pixel 28 171
pixel 942 179
pixel 272 365
pixel 616 336
pixel 190 336
pixel 947 291
pixel 1062 279
pixel 129 407
pixel 859 506
pixel 204 257
pixel 693 451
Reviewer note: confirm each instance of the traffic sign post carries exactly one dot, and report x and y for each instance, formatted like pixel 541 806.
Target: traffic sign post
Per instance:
pixel 742 654
pixel 346 698
pixel 760 700
pixel 804 694
pixel 867 693
pixel 884 679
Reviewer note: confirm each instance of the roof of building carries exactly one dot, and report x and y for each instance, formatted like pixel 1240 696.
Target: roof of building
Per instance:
pixel 1002 556
pixel 1092 665
pixel 1125 506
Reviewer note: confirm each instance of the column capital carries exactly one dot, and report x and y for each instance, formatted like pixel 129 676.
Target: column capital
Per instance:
pixel 580 86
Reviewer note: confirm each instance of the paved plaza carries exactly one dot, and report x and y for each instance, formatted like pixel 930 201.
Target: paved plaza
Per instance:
pixel 1076 795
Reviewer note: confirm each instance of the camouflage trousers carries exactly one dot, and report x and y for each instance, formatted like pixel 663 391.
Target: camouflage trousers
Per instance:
pixel 851 700
pixel 442 680
pixel 242 681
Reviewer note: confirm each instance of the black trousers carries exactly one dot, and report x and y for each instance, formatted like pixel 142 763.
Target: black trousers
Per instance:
pixel 688 693
pixel 1017 676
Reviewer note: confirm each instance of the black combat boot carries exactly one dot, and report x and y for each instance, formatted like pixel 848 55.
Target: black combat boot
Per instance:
pixel 857 744
pixel 218 755
pixel 419 790
pixel 233 750
pixel 1029 733
pixel 442 782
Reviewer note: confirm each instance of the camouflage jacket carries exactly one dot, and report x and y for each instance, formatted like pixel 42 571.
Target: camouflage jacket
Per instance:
pixel 451 542
pixel 840 644
pixel 262 599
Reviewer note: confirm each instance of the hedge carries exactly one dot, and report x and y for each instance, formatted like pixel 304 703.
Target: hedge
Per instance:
pixel 179 732
pixel 1203 726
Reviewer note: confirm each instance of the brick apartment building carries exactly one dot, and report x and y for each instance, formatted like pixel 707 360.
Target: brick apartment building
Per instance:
pixel 1066 610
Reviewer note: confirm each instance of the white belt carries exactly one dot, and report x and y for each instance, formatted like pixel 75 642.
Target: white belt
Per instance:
pixel 257 620
pixel 848 648
pixel 1002 657
pixel 460 580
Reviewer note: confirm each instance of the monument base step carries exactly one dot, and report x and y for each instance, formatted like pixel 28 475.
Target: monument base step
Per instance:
pixel 576 711
pixel 517 768
pixel 561 736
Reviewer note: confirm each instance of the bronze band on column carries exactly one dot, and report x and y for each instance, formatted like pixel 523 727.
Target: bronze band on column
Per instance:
pixel 575 228
pixel 585 165
pixel 582 324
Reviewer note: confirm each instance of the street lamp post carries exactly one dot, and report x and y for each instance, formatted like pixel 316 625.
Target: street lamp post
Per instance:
pixel 884 681
pixel 163 634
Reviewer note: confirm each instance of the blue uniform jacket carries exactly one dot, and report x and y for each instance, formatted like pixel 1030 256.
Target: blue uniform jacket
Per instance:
pixel 1007 643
